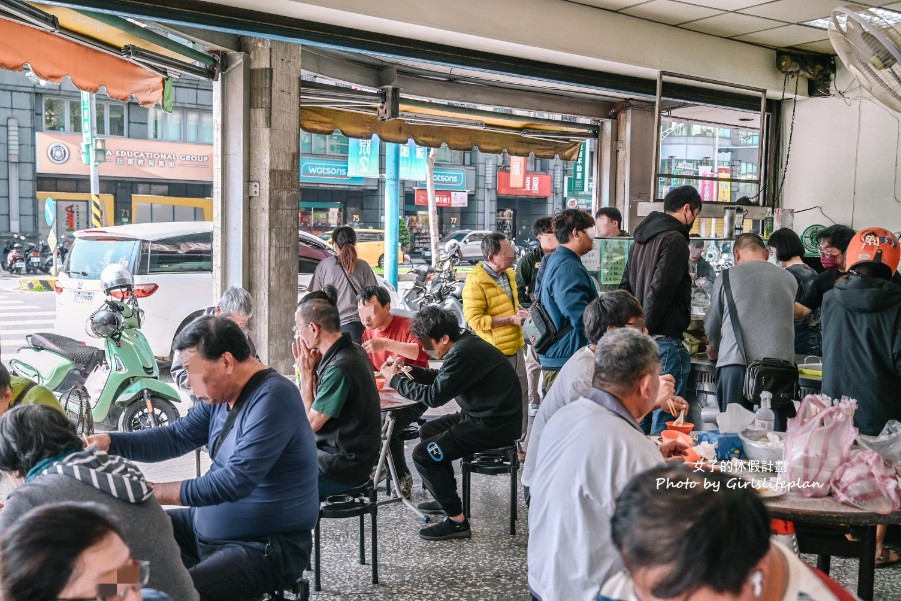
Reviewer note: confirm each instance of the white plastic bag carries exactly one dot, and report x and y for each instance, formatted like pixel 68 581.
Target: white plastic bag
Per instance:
pixel 866 482
pixel 96 382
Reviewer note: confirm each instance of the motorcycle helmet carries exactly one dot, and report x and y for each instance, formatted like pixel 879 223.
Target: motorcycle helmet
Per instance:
pixel 17 246
pixel 874 246
pixel 115 277
pixel 105 322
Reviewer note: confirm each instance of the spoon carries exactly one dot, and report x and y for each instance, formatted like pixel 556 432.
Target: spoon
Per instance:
pixel 681 419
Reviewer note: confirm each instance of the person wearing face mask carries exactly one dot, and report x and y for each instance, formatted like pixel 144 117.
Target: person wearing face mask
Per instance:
pixel 832 242
pixel 485 386
pixel 657 274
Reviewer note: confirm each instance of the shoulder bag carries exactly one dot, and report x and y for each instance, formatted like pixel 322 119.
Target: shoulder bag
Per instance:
pixel 539 329
pixel 776 376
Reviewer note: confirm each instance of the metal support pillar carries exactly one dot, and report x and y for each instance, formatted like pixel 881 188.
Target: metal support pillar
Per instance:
pixel 392 211
pixel 231 118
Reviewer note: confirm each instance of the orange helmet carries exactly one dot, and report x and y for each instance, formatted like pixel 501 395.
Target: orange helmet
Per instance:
pixel 874 246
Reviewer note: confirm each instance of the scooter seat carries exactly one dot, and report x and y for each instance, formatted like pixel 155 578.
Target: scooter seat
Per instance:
pixel 86 358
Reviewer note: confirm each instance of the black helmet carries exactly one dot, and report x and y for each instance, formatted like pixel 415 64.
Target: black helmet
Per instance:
pixel 105 322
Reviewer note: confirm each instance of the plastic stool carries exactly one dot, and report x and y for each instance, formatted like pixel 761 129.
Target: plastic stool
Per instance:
pixel 492 462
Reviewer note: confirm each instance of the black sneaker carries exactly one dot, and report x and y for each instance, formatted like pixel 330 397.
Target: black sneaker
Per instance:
pixel 430 507
pixel 446 530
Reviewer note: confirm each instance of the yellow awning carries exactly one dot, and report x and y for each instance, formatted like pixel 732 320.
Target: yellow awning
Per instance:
pixel 322 120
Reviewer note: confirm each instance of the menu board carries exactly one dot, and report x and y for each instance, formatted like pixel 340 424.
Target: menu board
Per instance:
pixel 607 261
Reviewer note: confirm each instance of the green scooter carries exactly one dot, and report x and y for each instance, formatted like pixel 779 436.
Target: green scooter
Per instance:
pixel 120 384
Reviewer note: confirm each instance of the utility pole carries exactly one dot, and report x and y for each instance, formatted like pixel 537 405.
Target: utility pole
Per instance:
pixel 91 147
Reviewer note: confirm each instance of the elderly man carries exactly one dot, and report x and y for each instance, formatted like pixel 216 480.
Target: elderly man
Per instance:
pixel 236 304
pixel 491 308
pixel 246 530
pixel 764 297
pixel 15 391
pixel 483 383
pixel 657 274
pixel 589 451
pixel 611 311
pixel 387 335
pixel 340 397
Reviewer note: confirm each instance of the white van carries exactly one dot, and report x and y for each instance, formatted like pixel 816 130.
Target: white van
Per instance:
pixel 172 265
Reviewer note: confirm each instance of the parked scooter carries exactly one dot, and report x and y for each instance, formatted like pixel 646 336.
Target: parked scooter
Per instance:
pixel 13 255
pixel 437 288
pixel 32 257
pixel 121 381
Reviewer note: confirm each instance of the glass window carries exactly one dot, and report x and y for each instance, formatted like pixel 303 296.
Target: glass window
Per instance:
pixel 192 126
pixel 74 116
pixel 88 257
pixel 155 122
pixel 101 118
pixel 306 143
pixel 444 155
pixel 54 114
pixel 116 117
pixel 206 128
pixel 182 254
pixel 337 144
pixel 319 143
pixel 175 125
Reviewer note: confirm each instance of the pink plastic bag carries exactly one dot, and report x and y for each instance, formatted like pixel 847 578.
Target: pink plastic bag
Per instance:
pixel 866 482
pixel 817 441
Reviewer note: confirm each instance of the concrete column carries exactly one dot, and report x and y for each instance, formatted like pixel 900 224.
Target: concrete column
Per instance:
pixel 231 119
pixel 274 155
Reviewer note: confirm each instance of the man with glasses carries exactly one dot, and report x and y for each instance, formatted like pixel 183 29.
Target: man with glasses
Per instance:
pixel 611 311
pixel 339 394
pixel 657 274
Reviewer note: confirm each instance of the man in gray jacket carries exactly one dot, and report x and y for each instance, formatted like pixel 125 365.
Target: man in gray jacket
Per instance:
pixel 764 296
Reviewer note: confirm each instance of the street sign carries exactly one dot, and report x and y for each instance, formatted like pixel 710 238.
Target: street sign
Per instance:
pixel 49 212
pixel 580 168
pixel 51 240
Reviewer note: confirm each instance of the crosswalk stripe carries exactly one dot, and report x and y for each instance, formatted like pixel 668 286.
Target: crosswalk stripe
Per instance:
pixel 17 332
pixel 22 322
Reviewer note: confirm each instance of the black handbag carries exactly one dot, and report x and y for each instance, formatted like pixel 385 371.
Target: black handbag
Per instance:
pixel 776 376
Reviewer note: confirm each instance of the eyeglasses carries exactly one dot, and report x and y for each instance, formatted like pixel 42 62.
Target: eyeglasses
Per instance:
pixel 297 329
pixel 129 578
pixel 829 250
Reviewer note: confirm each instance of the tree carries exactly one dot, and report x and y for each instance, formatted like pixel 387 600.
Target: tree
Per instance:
pixel 403 234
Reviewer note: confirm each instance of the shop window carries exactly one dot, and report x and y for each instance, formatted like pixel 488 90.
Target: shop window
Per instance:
pixel 467 158
pixel 306 143
pixel 335 144
pixel 444 154
pixel 64 115
pixel 180 126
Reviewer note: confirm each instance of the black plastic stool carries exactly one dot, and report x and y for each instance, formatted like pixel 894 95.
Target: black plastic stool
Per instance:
pixel 492 462
pixel 300 590
pixel 355 502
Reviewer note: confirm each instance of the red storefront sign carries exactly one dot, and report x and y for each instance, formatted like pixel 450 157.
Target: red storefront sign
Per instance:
pixel 443 198
pixel 534 184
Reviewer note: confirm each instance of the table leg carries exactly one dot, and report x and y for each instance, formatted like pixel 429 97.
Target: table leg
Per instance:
pixel 384 462
pixel 865 574
pixel 824 563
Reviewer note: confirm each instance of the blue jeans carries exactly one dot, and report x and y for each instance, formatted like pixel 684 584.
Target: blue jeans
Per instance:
pixel 675 361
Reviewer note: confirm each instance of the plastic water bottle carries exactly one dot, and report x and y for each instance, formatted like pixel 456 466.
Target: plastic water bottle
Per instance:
pixel 765 419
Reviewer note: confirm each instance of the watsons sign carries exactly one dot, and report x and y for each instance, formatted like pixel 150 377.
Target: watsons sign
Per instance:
pixel 448 179
pixel 327 171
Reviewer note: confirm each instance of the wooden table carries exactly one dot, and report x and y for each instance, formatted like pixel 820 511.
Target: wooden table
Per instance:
pixel 826 511
pixel 390 401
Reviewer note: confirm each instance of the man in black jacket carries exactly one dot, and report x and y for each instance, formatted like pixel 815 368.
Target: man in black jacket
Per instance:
pixel 486 387
pixel 657 274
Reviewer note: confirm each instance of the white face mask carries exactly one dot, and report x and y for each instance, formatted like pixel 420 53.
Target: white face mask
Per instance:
pixel 432 353
pixel 772 259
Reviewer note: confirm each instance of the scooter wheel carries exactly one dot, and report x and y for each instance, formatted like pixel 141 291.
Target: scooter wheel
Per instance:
pixel 135 417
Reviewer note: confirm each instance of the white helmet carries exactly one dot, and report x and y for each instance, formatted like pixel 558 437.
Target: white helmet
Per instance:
pixel 114 277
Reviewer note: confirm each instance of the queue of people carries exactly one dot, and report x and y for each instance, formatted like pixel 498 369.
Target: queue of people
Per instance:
pixel 617 370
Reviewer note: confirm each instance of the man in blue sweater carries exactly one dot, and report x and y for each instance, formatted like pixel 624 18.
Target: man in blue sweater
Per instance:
pixel 246 527
pixel 565 288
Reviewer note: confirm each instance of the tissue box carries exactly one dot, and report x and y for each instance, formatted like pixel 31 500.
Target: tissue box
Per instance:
pixel 727 445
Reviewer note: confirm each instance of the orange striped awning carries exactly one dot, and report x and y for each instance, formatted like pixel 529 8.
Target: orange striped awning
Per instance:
pixel 52 58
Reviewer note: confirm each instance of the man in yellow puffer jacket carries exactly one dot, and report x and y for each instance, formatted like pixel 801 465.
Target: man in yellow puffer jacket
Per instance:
pixel 491 307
